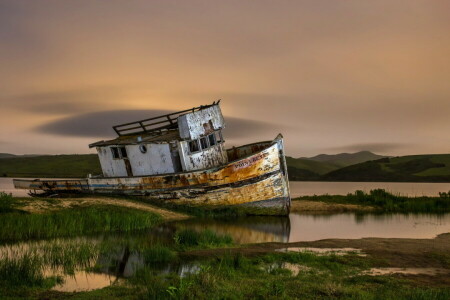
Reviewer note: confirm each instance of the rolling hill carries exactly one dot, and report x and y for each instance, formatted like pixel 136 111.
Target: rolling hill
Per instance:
pixel 412 168
pixel 311 168
pixel 345 159
pixel 62 166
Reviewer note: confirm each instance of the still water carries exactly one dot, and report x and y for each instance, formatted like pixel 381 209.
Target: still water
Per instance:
pixel 308 188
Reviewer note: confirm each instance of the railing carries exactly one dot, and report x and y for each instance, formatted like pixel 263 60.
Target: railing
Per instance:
pixel 155 124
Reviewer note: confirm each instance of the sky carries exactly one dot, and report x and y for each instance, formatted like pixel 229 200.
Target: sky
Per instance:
pixel 331 76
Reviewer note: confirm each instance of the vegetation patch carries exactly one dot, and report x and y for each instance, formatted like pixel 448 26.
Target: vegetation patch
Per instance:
pixel 189 238
pixel 271 277
pixel 388 202
pixel 73 222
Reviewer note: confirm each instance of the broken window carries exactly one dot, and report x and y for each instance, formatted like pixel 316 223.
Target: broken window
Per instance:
pixel 193 146
pixel 119 152
pixel 123 152
pixel 204 143
pixel 115 152
pixel 219 137
pixel 212 139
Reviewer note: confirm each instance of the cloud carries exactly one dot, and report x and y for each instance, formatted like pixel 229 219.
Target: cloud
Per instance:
pixel 66 101
pixel 99 124
pixel 373 147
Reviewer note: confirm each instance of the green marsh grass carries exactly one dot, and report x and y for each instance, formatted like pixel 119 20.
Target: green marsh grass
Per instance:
pixel 322 277
pixel 388 202
pixel 74 222
pixel 189 238
pixel 159 254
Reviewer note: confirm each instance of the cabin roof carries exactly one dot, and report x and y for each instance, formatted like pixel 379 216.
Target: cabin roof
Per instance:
pixel 156 124
pixel 157 137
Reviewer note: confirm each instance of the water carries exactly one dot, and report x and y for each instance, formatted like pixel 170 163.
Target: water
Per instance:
pixel 297 227
pixel 308 188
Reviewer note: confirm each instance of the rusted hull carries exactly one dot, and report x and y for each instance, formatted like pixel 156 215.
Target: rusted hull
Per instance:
pixel 256 182
pixel 47 185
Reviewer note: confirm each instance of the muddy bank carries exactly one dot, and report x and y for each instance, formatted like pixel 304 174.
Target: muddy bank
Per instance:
pixel 319 207
pixel 387 252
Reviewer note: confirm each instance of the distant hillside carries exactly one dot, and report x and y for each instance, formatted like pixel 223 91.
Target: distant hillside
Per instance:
pixel 310 168
pixel 346 159
pixel 61 166
pixel 413 168
pixel 9 155
pixel 315 167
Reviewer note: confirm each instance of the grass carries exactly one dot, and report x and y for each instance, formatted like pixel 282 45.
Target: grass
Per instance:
pixel 389 202
pixel 266 277
pixel 8 203
pixel 159 254
pixel 282 275
pixel 73 222
pixel 189 238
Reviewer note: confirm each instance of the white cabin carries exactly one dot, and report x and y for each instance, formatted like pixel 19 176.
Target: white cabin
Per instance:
pixel 183 141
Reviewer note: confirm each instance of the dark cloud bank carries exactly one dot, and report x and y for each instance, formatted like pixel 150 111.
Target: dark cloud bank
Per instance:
pixel 99 124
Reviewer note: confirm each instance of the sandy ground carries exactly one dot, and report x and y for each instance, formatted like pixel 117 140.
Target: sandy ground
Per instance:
pixel 318 207
pixel 39 206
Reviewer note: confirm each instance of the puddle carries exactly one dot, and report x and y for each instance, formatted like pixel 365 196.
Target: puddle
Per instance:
pixel 324 251
pixel 84 281
pixel 407 271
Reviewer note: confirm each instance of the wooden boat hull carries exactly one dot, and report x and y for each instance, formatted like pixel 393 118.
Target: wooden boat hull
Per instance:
pixel 256 182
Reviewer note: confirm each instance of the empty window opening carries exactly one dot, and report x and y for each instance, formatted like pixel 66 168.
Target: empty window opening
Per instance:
pixel 194 146
pixel 119 152
pixel 123 152
pixel 115 152
pixel 212 139
pixel 204 143
pixel 219 138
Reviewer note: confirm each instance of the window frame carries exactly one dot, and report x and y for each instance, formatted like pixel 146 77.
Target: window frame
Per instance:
pixel 213 136
pixel 205 139
pixel 115 152
pixel 198 146
pixel 219 137
pixel 118 151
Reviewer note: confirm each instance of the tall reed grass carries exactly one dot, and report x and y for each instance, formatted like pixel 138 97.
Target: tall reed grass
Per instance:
pixel 73 222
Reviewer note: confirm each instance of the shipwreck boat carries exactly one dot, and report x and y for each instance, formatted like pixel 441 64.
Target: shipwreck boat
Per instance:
pixel 180 158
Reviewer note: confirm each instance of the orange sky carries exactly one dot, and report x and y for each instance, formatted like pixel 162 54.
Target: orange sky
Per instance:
pixel 332 76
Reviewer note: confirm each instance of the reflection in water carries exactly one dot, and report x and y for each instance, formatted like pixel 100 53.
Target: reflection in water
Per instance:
pixel 84 281
pixel 245 230
pixel 354 226
pixel 299 228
